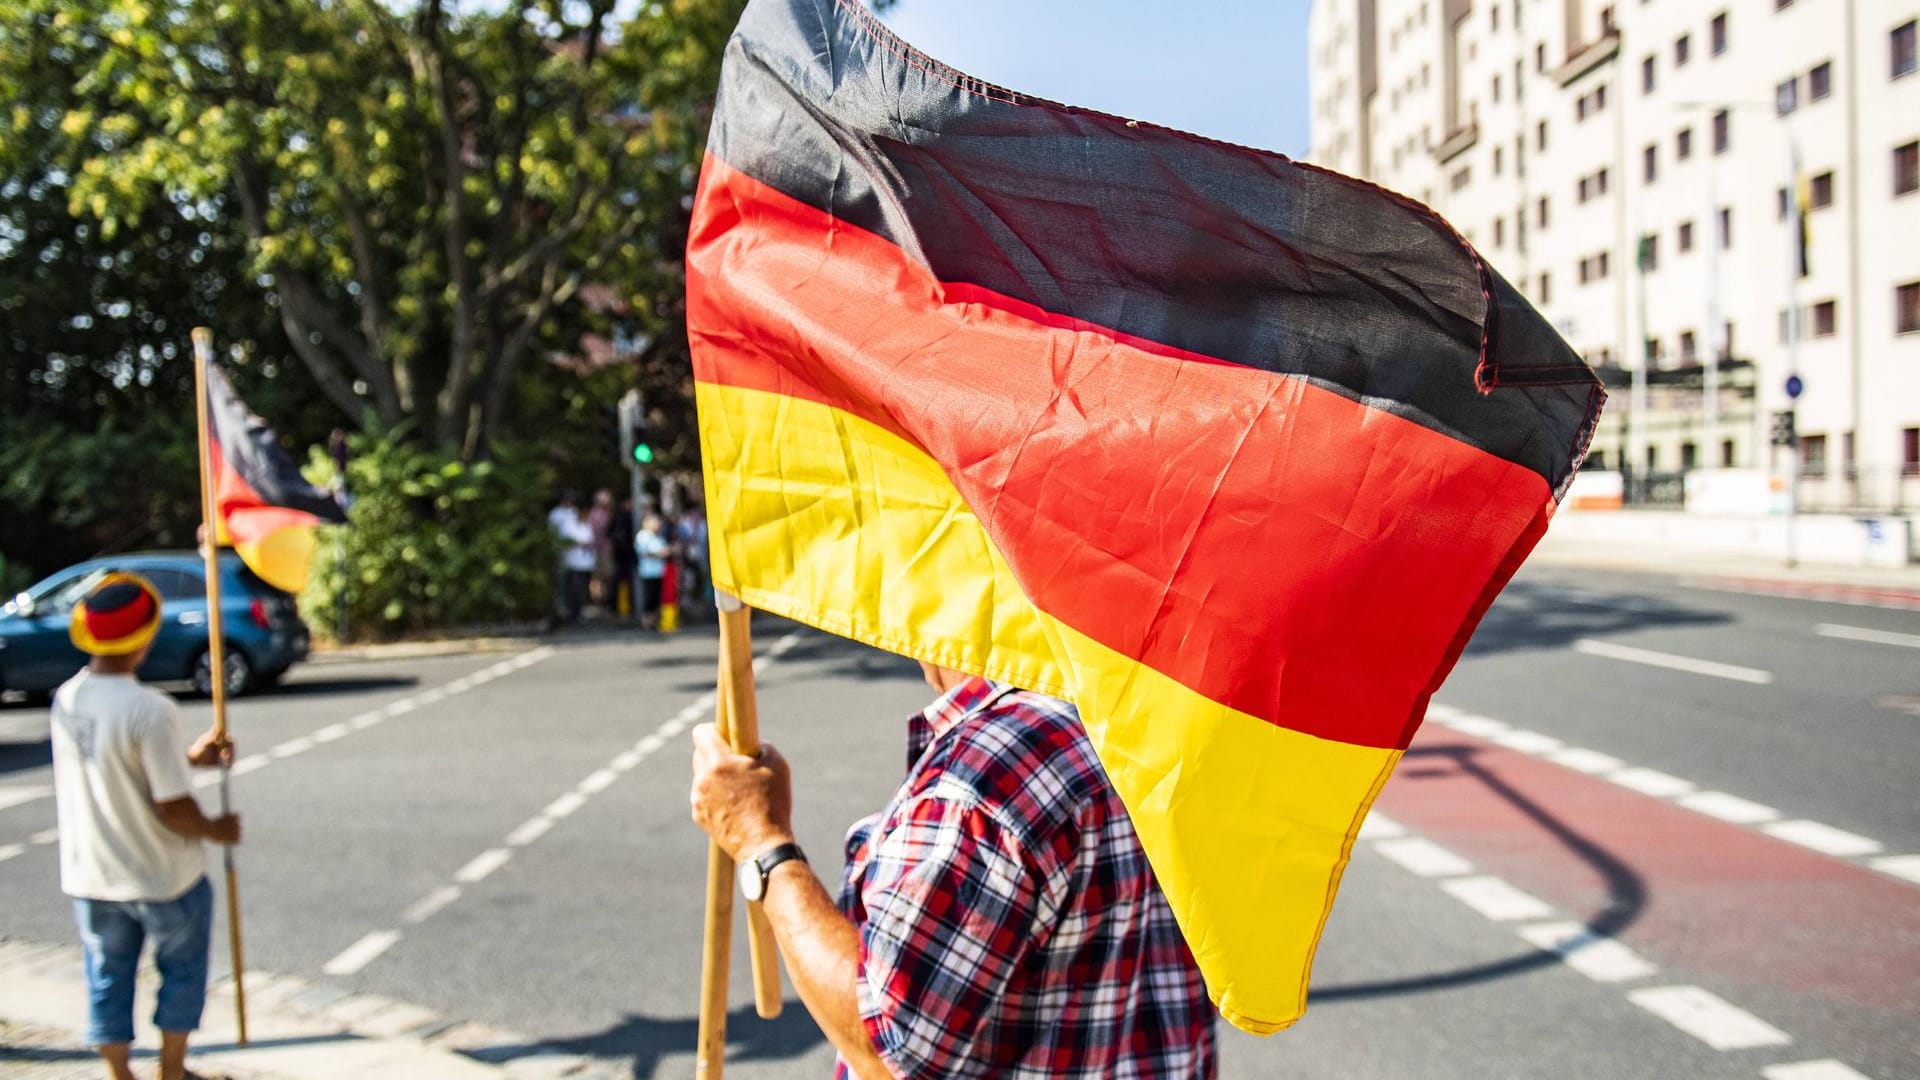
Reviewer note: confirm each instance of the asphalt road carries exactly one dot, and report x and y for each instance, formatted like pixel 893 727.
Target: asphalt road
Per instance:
pixel 1650 840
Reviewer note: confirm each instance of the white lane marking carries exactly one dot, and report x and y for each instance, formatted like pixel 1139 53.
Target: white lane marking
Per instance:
pixel 1581 759
pixel 331 732
pixel 1497 900
pixel 1651 782
pixel 299 745
pixel 361 953
pixel 1528 742
pixel 626 760
pixel 598 782
pixel 1708 1017
pixel 44 836
pixel 1599 958
pixel 16 796
pixel 1379 826
pixel 403 706
pixel 1423 857
pixel 1673 661
pixel 1823 1069
pixel 8 851
pixel 482 864
pixel 1900 866
pixel 427 906
pixel 530 830
pixel 1482 726
pixel 648 744
pixel 1861 633
pixel 1729 808
pixel 365 721
pixel 1442 714
pixel 248 764
pixel 564 805
pixel 1824 839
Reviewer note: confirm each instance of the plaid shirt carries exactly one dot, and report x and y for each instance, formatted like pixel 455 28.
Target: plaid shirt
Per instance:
pixel 1009 923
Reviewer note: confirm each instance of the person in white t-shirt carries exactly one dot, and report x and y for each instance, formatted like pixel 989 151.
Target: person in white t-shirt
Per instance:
pixel 130 830
pixel 575 534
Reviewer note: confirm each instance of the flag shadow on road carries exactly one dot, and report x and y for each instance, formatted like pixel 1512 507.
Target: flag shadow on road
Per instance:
pixel 1626 889
pixel 648 1041
pixel 1536 616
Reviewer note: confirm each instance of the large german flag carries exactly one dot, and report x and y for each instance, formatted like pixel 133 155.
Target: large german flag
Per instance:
pixel 263 508
pixel 1231 451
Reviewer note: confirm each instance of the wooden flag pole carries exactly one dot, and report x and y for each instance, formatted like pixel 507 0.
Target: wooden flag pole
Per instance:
pixel 216 658
pixel 738 720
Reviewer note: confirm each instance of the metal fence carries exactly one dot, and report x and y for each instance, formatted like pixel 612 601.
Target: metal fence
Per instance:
pixel 1851 491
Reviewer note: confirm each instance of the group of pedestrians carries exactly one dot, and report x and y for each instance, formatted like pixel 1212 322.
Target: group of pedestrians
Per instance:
pixel 605 554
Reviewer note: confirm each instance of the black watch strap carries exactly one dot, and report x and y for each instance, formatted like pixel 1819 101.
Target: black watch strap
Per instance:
pixel 767 860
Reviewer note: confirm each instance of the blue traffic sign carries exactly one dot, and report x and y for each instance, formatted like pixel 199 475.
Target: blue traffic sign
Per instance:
pixel 1795 386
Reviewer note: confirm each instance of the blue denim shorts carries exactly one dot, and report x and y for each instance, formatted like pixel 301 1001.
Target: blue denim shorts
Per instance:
pixel 113 933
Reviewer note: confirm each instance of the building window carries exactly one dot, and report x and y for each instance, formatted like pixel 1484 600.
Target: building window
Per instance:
pixel 1813 455
pixel 1820 191
pixel 1901 42
pixel 1906 302
pixel 1910 451
pixel 1496 17
pixel 1786 96
pixel 1785 200
pixel 1689 455
pixel 1649 253
pixel 1820 82
pixel 1607 24
pixel 1499 157
pixel 1462 178
pixel 1540 57
pixel 1546 289
pixel 1600 182
pixel 1646 74
pixel 1542 215
pixel 1683 144
pixel 1688 345
pixel 1726 227
pixel 1650 163
pixel 1906 168
pixel 1602 268
pixel 1825 318
pixel 1722 131
pixel 1682 50
pixel 1496 89
pixel 1726 339
pixel 1719 33
pixel 1686 236
pixel 1540 136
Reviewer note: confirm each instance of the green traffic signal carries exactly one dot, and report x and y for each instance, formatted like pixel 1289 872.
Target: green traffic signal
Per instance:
pixel 643 453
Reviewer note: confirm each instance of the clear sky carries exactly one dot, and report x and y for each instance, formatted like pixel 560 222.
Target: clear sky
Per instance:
pixel 1230 69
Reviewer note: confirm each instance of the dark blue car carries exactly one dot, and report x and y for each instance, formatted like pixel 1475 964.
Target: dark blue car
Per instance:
pixel 263 632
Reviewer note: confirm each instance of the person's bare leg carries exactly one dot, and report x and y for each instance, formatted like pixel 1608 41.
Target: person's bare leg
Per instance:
pixel 173 1055
pixel 116 1056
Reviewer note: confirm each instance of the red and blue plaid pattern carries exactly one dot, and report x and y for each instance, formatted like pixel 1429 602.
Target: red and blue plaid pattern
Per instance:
pixel 1009 923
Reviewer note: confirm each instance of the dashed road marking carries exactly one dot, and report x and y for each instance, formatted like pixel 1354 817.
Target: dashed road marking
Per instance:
pixel 564 805
pixel 1900 866
pixel 1423 857
pixel 1651 782
pixel 1599 958
pixel 1824 1069
pixel 482 864
pixel 1581 759
pixel 530 830
pixel 1379 826
pixel 1824 839
pixel 44 836
pixel 1482 726
pixel 1527 742
pixel 361 953
pixel 20 794
pixel 1730 808
pixel 427 906
pixel 8 851
pixel 1673 661
pixel 1861 633
pixel 1708 1017
pixel 1497 900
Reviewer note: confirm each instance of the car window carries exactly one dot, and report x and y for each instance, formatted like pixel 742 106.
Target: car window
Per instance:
pixel 177 584
pixel 63 594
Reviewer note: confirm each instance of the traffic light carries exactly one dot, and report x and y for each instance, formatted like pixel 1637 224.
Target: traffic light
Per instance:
pixel 636 446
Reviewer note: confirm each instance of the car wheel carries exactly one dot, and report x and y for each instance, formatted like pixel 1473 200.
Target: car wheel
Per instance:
pixel 239 673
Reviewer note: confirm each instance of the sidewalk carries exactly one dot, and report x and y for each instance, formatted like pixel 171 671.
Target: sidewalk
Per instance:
pixel 1890 586
pixel 298 1031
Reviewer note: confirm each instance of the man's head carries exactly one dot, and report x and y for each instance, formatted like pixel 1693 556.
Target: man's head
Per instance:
pixel 116 622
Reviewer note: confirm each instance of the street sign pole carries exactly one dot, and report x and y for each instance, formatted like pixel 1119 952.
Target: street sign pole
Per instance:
pixel 632 417
pixel 1793 341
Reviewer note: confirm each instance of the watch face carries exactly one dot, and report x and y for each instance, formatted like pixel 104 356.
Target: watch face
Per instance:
pixel 751 881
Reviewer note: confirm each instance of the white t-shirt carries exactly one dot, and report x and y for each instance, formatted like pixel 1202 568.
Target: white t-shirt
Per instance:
pixel 570 527
pixel 118 749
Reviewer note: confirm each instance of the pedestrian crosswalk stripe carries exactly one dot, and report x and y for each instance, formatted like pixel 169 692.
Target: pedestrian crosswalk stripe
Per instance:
pixel 361 953
pixel 1824 1069
pixel 1822 838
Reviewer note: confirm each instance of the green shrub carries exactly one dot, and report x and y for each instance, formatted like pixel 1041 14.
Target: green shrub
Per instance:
pixel 431 543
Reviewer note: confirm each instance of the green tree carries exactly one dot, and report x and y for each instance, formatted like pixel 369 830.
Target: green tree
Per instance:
pixel 422 193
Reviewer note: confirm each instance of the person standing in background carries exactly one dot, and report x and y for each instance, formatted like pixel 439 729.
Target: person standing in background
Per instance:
pixel 654 549
pixel 130 830
pixel 576 556
pixel 692 532
pixel 600 520
pixel 625 561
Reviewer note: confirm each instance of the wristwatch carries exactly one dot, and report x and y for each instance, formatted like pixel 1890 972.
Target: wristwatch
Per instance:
pixel 754 872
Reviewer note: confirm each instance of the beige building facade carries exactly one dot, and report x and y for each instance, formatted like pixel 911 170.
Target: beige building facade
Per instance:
pixel 1631 166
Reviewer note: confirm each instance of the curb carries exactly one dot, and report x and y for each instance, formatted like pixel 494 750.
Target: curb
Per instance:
pixel 373 1036
pixel 410 650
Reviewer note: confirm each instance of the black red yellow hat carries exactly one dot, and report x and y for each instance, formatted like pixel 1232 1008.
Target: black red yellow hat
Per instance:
pixel 119 616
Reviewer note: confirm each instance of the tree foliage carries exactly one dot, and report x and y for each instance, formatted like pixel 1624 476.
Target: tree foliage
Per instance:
pixel 424 193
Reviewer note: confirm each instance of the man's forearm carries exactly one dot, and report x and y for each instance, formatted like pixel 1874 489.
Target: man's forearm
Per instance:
pixel 822 950
pixel 183 815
